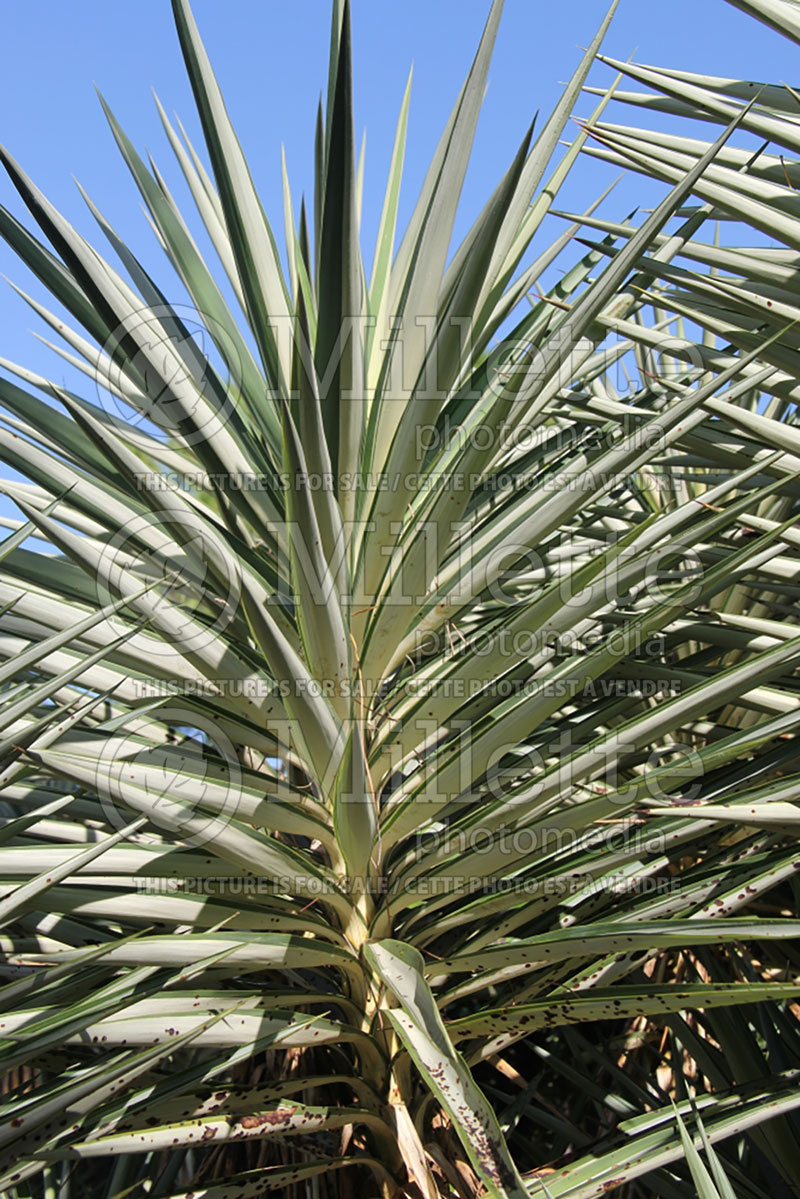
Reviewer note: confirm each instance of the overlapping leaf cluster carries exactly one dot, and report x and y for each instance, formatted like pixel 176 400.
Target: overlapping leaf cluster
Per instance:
pixel 391 690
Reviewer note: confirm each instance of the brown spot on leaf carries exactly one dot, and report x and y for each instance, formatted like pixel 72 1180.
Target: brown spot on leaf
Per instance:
pixel 282 1116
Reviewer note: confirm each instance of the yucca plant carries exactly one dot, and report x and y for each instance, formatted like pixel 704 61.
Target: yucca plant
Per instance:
pixel 399 708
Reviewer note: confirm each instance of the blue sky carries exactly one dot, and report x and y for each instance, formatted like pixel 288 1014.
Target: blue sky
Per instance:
pixel 271 59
